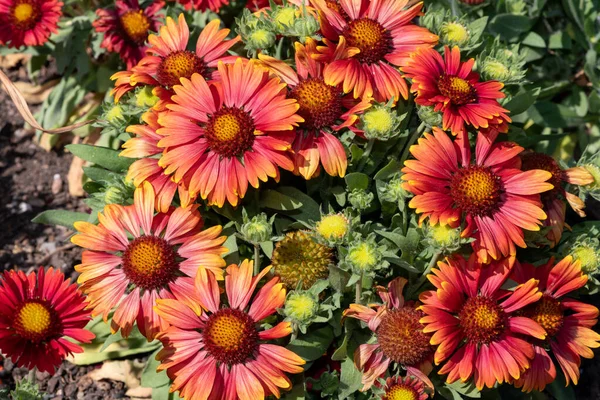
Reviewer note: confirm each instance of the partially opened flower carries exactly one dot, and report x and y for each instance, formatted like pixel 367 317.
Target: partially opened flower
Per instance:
pixel 167 59
pixel 28 22
pixel 567 321
pixel 39 314
pixel 404 388
pixel 451 86
pixel 324 108
pixel 134 257
pixel 553 200
pixel 399 337
pixel 221 353
pixel 474 324
pixel 144 145
pixel 491 195
pixel 126 28
pixel 380 36
pixel 223 135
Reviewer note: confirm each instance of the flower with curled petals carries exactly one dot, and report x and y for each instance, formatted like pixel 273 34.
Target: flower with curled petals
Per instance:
pixel 39 314
pixel 167 59
pixel 400 337
pixel 474 322
pixel 134 257
pixel 450 86
pixel 28 22
pixel 222 135
pixel 221 352
pixel 567 321
pixel 491 195
pixel 324 108
pixel 126 28
pixel 380 37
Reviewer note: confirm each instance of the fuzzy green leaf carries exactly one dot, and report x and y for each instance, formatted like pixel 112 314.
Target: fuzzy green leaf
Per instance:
pixel 60 217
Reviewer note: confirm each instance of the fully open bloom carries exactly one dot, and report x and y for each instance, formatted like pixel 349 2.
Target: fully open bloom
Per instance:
pixel 28 22
pixel 134 257
pixel 400 337
pixel 451 86
pixel 126 28
pixel 222 135
pixel 492 195
pixel 167 59
pixel 474 323
pixel 203 5
pixel 567 321
pixel 222 353
pixel 144 145
pixel 325 111
pixel 407 388
pixel 384 35
pixel 554 204
pixel 37 315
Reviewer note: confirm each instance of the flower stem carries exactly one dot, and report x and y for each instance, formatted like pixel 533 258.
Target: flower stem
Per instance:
pixel 423 277
pixel 256 259
pixel 358 290
pixel 416 134
pixel 366 154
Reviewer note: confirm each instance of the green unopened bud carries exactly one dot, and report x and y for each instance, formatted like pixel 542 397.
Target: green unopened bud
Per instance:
pixel 594 170
pixel 283 18
pixel 364 256
pixel 115 195
pixel 305 27
pixel 258 229
pixel 516 7
pixel 496 70
pixel 587 253
pixel 393 191
pixel 260 39
pixel 454 33
pixel 114 114
pixel 301 306
pixel 333 228
pixel 145 98
pixel 443 236
pixel 380 122
pixel 360 199
pixel 429 116
pixel 503 64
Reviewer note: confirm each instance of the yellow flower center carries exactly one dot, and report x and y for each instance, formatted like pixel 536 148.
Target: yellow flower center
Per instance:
pixel 482 320
pixel 333 227
pixel 25 14
pixel 136 25
pixel 370 37
pixel 588 256
pixel 548 313
pixel 230 131
pixel 230 336
pixel 455 33
pixel 444 235
pixel 150 262
pixel 458 90
pixel 476 190
pixel 320 104
pixel 401 392
pixel 363 256
pixel 379 120
pixel 33 321
pixel 180 64
pixel 298 258
pixel 300 306
pixel 401 336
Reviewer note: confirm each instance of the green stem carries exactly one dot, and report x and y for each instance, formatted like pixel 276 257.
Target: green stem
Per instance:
pixel 294 332
pixel 416 134
pixel 423 277
pixel 256 259
pixel 366 154
pixel 358 295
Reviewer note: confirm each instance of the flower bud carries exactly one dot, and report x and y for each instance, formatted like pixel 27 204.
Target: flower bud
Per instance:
pixel 260 39
pixel 364 256
pixel 333 228
pixel 443 236
pixel 594 170
pixel 587 252
pixel 454 33
pixel 380 122
pixel 145 98
pixel 283 18
pixel 429 116
pixel 393 191
pixel 360 199
pixel 258 229
pixel 114 114
pixel 301 306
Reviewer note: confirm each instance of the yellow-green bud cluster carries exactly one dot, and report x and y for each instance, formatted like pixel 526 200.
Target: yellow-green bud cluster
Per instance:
pixel 333 228
pixel 114 114
pixel 516 7
pixel 443 237
pixel 364 256
pixel 291 21
pixel 594 170
pixel 257 31
pixel 503 64
pixel 298 258
pixel 381 122
pixel 452 30
pixel 145 98
pixel 454 33
pixel 429 116
pixel 360 199
pixel 258 229
pixel 393 191
pixel 301 306
pixel 587 252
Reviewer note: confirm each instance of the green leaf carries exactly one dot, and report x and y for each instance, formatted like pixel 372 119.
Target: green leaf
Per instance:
pixel 559 390
pixel 534 40
pixel 522 101
pixel 60 217
pixel 313 345
pixel 102 156
pixel 510 26
pixel 350 379
pixel 278 201
pixel 342 351
pixel 477 27
pixel 357 180
pixel 267 248
pixel 559 40
pixel 309 211
pixel 151 378
pixel 392 168
pixel 99 174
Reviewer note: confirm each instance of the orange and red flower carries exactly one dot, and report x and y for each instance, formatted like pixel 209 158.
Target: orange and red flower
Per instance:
pixel 167 59
pixel 222 353
pixel 126 28
pixel 134 257
pixel 37 316
pixel 492 195
pixel 223 135
pixel 474 324
pixel 28 22
pixel 203 5
pixel 380 35
pixel 450 86
pixel 324 108
pixel 554 205
pixel 567 321
pixel 400 337
pixel 404 388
